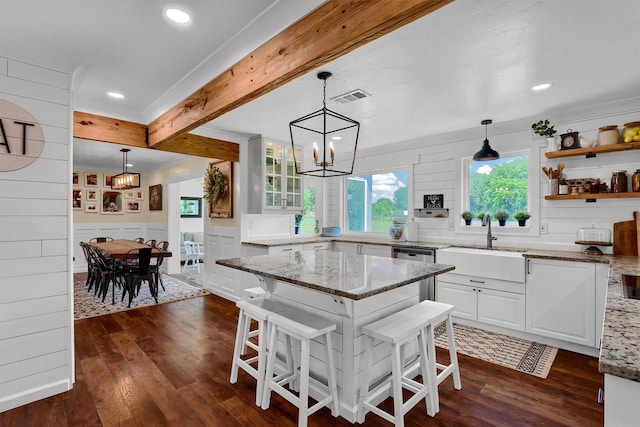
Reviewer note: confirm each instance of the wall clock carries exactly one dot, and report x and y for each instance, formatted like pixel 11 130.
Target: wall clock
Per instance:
pixel 569 140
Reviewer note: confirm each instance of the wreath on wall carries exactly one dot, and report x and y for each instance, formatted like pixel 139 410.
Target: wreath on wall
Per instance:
pixel 214 186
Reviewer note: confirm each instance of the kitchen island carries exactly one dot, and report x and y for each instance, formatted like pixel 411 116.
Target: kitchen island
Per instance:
pixel 349 289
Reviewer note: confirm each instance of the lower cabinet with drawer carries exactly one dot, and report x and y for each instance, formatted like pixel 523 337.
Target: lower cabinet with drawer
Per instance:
pixel 284 249
pixel 492 301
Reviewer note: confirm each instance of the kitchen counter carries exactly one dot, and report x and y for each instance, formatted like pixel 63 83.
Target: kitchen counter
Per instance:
pixel 620 346
pixel 347 275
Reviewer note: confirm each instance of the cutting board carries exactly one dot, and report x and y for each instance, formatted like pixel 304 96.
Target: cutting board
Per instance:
pixel 626 236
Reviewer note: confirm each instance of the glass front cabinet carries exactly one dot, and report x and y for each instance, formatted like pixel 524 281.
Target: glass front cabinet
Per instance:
pixel 275 184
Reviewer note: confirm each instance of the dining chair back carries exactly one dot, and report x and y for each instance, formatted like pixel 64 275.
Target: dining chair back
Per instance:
pixel 137 270
pixel 92 268
pixel 101 239
pixel 151 243
pixel 139 240
pixel 163 245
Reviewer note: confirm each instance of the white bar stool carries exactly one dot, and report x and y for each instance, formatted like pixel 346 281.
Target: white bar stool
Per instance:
pixel 399 329
pixel 258 309
pixel 297 324
pixel 248 333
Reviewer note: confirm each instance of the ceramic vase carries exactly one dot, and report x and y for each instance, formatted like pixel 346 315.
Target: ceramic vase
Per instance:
pixel 551 144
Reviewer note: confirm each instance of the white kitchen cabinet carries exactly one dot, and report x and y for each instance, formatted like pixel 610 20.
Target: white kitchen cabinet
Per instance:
pixel 561 300
pixel 317 246
pixel 362 249
pixel 285 249
pixel 275 185
pixel 486 300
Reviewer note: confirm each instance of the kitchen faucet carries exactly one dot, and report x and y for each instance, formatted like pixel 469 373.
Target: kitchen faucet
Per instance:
pixel 486 220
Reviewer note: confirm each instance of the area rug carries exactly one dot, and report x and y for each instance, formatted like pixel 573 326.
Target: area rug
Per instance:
pixel 86 304
pixel 514 353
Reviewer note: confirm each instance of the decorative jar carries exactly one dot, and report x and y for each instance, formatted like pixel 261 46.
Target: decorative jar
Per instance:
pixel 619 182
pixel 631 132
pixel 635 181
pixel 608 135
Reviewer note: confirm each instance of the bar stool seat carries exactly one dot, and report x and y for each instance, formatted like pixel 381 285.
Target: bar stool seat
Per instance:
pixel 304 327
pixel 258 309
pixel 399 329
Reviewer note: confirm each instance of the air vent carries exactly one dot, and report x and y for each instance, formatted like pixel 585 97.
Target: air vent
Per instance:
pixel 353 95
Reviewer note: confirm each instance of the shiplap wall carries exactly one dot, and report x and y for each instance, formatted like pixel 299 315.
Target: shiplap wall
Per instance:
pixel 36 311
pixel 435 164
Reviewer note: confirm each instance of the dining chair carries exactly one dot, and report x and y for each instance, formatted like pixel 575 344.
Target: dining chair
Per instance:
pixel 101 239
pixel 193 253
pixel 137 272
pixel 109 274
pixel 92 268
pixel 163 246
pixel 151 243
pixel 139 240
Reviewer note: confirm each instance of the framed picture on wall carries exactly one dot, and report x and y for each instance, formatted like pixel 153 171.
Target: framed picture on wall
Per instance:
pixel 133 206
pixel 129 194
pixel 90 179
pixel 107 181
pixel 190 207
pixel 112 202
pixel 77 200
pixel 139 195
pixel 155 197
pixel 75 178
pixel 92 195
pixel 91 207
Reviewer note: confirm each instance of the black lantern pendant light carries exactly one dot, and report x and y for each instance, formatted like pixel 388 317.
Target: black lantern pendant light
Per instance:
pixel 125 180
pixel 321 130
pixel 486 153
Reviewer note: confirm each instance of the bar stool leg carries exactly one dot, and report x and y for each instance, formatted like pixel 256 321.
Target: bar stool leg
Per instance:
pixel 396 373
pixel 331 377
pixel 239 345
pixel 453 355
pixel 303 409
pixel 271 362
pixel 364 378
pixel 428 375
pixel 432 367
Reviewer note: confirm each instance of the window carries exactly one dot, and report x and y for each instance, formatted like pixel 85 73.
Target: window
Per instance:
pixel 498 185
pixel 373 201
pixel 308 222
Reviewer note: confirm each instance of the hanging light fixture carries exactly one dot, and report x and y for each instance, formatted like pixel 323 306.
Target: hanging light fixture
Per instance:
pixel 486 152
pixel 125 180
pixel 328 133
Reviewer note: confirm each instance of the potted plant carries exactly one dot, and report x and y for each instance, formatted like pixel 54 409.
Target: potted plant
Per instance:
pixel 522 217
pixel 298 220
pixel 542 128
pixel 501 216
pixel 467 216
pixel 480 216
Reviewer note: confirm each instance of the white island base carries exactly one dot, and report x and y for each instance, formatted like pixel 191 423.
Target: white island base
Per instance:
pixel 349 315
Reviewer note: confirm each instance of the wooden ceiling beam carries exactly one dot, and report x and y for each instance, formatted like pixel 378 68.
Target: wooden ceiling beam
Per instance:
pixel 335 28
pixel 107 129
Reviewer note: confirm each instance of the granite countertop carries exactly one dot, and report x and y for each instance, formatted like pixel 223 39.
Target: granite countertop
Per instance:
pixel 620 346
pixel 348 239
pixel 347 275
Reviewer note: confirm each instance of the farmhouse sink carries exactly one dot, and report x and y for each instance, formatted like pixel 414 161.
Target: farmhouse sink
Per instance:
pixel 489 263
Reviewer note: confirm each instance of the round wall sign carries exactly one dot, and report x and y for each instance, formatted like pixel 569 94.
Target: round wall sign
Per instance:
pixel 21 137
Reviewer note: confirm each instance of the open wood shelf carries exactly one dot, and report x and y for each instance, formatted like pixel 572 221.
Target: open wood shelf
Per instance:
pixel 593 196
pixel 592 151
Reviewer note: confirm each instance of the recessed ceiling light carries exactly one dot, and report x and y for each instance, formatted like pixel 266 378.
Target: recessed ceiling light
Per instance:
pixel 177 15
pixel 116 95
pixel 543 86
pixel 129 165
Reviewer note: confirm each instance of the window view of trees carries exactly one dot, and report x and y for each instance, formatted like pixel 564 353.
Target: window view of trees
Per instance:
pixel 309 211
pixel 373 200
pixel 499 185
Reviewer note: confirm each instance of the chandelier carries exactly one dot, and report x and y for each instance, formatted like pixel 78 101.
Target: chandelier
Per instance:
pixel 328 133
pixel 125 180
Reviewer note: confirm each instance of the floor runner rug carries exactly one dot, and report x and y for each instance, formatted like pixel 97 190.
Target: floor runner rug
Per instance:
pixel 515 353
pixel 86 304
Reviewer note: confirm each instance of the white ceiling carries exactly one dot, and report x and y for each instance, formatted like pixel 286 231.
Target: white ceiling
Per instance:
pixel 468 61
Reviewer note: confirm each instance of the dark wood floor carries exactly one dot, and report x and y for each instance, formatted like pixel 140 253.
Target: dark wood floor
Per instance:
pixel 169 365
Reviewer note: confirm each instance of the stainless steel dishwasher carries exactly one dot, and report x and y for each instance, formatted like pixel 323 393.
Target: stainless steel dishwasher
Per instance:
pixel 427 286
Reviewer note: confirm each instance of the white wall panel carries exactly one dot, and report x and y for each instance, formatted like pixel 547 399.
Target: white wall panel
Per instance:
pixel 26 288
pixel 36 329
pixel 38 74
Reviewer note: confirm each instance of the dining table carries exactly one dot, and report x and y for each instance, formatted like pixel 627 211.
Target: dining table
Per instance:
pixel 118 249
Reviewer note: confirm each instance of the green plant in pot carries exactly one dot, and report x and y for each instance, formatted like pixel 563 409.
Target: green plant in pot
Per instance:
pixel 480 216
pixel 522 217
pixel 543 129
pixel 467 216
pixel 501 216
pixel 298 220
